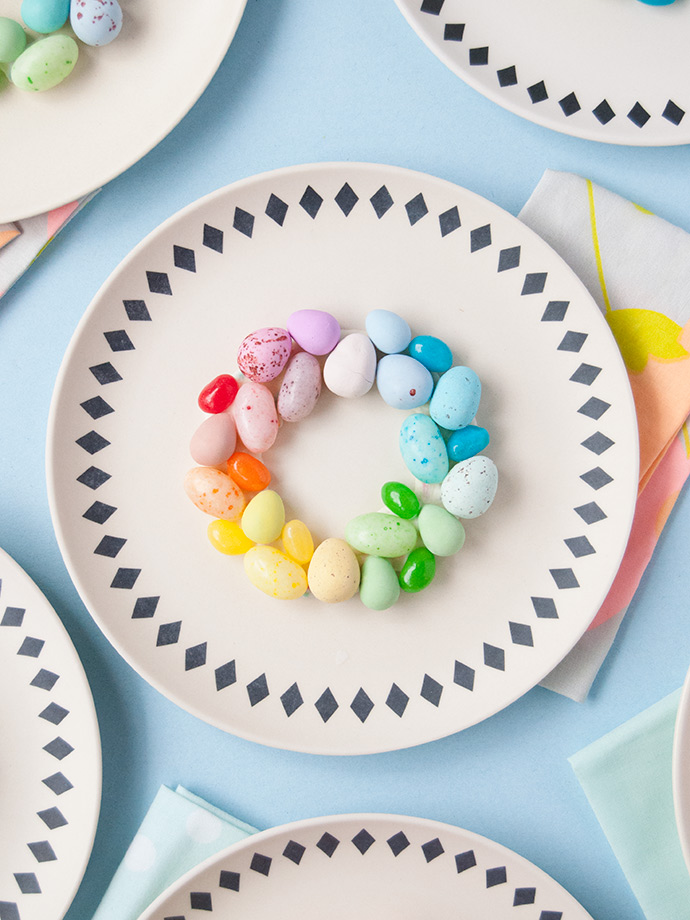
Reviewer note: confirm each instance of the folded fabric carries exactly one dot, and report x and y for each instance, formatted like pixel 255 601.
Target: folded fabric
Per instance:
pixel 180 831
pixel 8 232
pixel 637 268
pixel 30 237
pixel 627 777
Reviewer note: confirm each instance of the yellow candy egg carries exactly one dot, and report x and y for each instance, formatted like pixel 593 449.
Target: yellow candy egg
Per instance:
pixel 229 538
pixel 264 517
pixel 298 542
pixel 333 572
pixel 274 573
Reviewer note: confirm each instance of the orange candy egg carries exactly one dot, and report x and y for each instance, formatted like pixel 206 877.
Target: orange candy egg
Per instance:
pixel 248 472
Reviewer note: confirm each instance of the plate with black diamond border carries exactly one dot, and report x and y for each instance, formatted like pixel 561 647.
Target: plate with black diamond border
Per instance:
pixel 51 755
pixel 367 866
pixel 341 678
pixel 681 770
pixel 606 70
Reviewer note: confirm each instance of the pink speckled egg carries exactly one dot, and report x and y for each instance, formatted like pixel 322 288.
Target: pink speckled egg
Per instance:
pixel 300 388
pixel 256 419
pixel 314 330
pixel 264 353
pixel 213 443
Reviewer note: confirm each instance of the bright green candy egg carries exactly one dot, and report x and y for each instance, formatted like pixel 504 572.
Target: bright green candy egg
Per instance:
pixel 379 534
pixel 45 63
pixel 418 571
pixel 400 499
pixel 379 588
pixel 12 40
pixel 441 532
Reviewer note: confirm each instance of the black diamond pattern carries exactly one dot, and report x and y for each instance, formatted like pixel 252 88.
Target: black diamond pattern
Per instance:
pixel 508 258
pixel 168 634
pixel 479 56
pixel 326 704
pixel 311 201
pixel 276 209
pixel 431 690
pixel 110 546
pixel 105 373
pixel 449 221
pixel 603 112
pixel 521 634
pixel 363 840
pixel 9 911
pixel 137 311
pixel 597 478
pixel 229 880
pixel 28 883
pixel 257 690
pixel 13 616
pixel 397 700
pixel 145 608
pixel 226 675
pixel 524 896
pixel 453 31
pixel 591 513
pixel 480 238
pixel 195 657
pixel 569 104
pixel 213 238
pixel 597 443
pixel 125 578
pixel 31 647
pixel 463 675
pixel 93 478
pixel 294 851
pixel 586 374
pixel 545 608
pixel 638 115
pixel 159 283
pixel 45 680
pixel 328 844
pixel 184 258
pixel 594 408
pixel 381 201
pixel 291 700
pixel 92 442
pixel 507 76
pixel 58 748
pixel 432 849
pixel 57 783
pixel 261 863
pixel 200 900
pixel 54 713
pixel 494 657
pixel 243 221
pixel 42 850
pixel 537 92
pixel 564 578
pixel 346 199
pixel 398 842
pixel 535 283
pixel 551 915
pixel 433 7
pixel 465 861
pixel 496 876
pixel 52 818
pixel 416 209
pixel 96 407
pixel 361 705
pixel 555 311
pixel 572 341
pixel 673 113
pixel 99 512
pixel 119 340
pixel 579 546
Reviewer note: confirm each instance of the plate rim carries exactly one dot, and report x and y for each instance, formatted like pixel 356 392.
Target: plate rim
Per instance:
pixel 52 435
pixel 681 743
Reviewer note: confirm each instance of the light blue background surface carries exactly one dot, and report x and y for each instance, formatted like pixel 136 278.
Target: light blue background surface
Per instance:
pixel 305 81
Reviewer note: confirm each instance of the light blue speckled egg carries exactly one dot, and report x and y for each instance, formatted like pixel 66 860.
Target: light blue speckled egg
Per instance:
pixel 388 331
pixel 423 448
pixel 469 489
pixel 403 382
pixel 95 22
pixel 456 398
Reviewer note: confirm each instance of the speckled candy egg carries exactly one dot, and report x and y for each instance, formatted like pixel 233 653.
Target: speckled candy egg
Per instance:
pixel 350 368
pixel 214 492
pixel 263 354
pixel 469 488
pixel 314 330
pixel 456 398
pixel 333 572
pixel 256 419
pixel 380 534
pixel 300 388
pixel 403 382
pixel 95 22
pixel 272 572
pixel 423 448
pixel 45 63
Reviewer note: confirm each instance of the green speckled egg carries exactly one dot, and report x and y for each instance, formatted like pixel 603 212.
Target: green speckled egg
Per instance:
pixel 381 535
pixel 45 63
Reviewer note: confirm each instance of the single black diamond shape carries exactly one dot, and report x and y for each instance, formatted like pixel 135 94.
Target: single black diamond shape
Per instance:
pixel 508 258
pixel 257 690
pixel 54 713
pixel 28 883
pixel 479 56
pixel 586 374
pixel 261 864
pixel 363 840
pixel 551 915
pixel 42 850
pixel 453 31
pixel 52 818
pixel 564 578
pixel 534 283
pixel 58 783
pixel 381 201
pixel 243 221
pixel 328 844
pixel 9 911
pixel 597 443
pixel 433 7
pixel 496 876
pixel 226 675
pixel 465 861
pixel 137 311
pixel 326 704
pixel 591 513
pixel 158 283
pixel 145 608
pixel 31 647
pixel 494 657
pixel 521 634
pixel 311 201
pixel 168 633
pixel 361 705
pixel 200 900
pixel 432 849
pixel 603 112
pixel 397 700
pixel 119 340
pixel 449 220
pixel 291 700
pixel 92 442
pixel 579 546
pixel 125 578
pixel 431 690
pixel 572 341
pixel 276 209
pixel 229 880
pixel 524 896
pixel 346 199
pixel 594 408
pixel 638 115
pixel 99 512
pixel 480 238
pixel 96 407
pixel 93 478
pixel 195 657
pixel 213 238
pixel 13 616
pixel 555 311
pixel 416 209
pixel 507 76
pixel 463 675
pixel 596 478
pixel 110 546
pixel 545 608
pixel 537 92
pixel 673 113
pixel 45 680
pixel 294 851
pixel 398 842
pixel 184 258
pixel 569 104
pixel 58 748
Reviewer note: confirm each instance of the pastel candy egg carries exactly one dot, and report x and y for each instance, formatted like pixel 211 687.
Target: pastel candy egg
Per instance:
pixel 213 492
pixel 379 588
pixel 388 331
pixel 400 499
pixel 423 448
pixel 272 572
pixel 456 398
pixel 264 517
pixel 403 382
pixel 301 387
pixel 12 40
pixel 214 440
pixel 469 489
pixel 228 537
pixel 297 541
pixel 256 419
pixel 380 534
pixel 316 331
pixel 45 63
pixel 466 442
pixel 441 532
pixel 96 22
pixel 350 368
pixel 248 472
pixel 418 570
pixel 45 15
pixel 433 353
pixel 263 354
pixel 333 572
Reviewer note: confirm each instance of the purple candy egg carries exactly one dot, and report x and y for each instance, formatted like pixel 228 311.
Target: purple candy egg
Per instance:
pixel 314 330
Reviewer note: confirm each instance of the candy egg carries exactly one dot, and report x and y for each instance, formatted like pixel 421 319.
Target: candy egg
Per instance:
pixel 263 354
pixel 217 395
pixel 418 570
pixel 333 572
pixel 214 440
pixel 456 398
pixel 403 382
pixel 300 388
pixel 350 368
pixel 441 532
pixel 272 572
pixel 248 472
pixel 316 331
pixel 433 353
pixel 380 534
pixel 297 541
pixel 12 40
pixel 264 517
pixel 45 15
pixel 96 22
pixel 379 588
pixel 469 489
pixel 400 499
pixel 45 63
pixel 213 492
pixel 423 448
pixel 466 442
pixel 388 331
pixel 228 537
pixel 256 419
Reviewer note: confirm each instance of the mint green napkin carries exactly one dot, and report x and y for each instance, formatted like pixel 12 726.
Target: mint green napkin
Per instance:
pixel 180 831
pixel 627 777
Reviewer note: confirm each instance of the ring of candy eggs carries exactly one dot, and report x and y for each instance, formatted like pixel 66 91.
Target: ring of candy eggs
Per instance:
pixel 385 551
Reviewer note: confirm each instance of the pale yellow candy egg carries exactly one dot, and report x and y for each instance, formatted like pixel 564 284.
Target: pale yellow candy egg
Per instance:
pixel 333 571
pixel 274 573
pixel 298 542
pixel 264 517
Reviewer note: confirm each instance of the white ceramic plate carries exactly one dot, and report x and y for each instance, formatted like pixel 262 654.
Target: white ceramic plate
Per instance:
pixel 367 866
pixel 118 103
pixel 50 756
pixel 606 70
pixel 298 674
pixel 681 770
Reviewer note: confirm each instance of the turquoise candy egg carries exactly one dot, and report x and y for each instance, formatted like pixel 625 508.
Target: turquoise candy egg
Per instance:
pixel 388 331
pixel 423 448
pixel 45 15
pixel 12 40
pixel 403 382
pixel 456 398
pixel 378 588
pixel 434 354
pixel 466 442
pixel 381 535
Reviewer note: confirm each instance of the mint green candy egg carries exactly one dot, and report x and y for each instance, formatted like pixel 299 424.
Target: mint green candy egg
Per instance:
pixel 378 588
pixel 45 63
pixel 12 40
pixel 380 534
pixel 441 532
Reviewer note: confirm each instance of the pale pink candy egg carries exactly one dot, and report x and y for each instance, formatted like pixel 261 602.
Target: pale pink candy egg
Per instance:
pixel 213 443
pixel 256 419
pixel 215 493
pixel 301 387
pixel 263 354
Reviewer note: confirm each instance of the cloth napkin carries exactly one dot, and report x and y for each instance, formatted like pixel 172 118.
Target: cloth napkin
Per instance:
pixel 180 831
pixel 636 266
pixel 627 777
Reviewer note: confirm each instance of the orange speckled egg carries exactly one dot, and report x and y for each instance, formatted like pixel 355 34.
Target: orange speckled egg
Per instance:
pixel 214 492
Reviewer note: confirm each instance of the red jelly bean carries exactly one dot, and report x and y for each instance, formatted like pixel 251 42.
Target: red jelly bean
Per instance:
pixel 217 395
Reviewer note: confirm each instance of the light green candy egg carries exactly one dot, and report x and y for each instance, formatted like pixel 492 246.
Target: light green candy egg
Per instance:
pixel 12 40
pixel 45 63
pixel 380 535
pixel 442 533
pixel 379 588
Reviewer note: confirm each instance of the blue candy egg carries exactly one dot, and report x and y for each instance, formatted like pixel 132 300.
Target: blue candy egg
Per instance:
pixel 456 398
pixel 403 382
pixel 388 331
pixel 423 448
pixel 45 15
pixel 466 442
pixel 432 353
pixel 96 22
